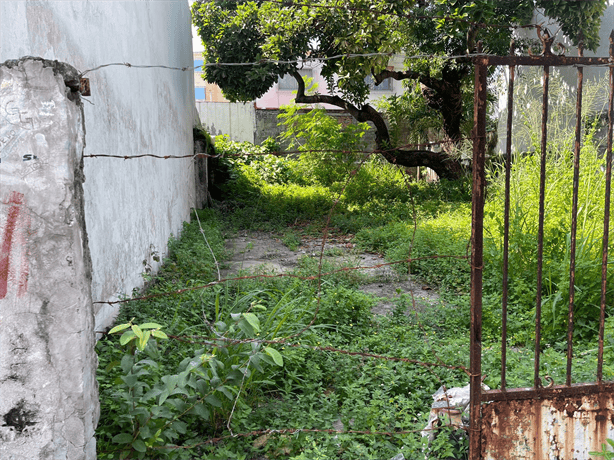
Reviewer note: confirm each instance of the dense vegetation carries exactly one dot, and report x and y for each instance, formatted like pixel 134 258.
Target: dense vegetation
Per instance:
pixel 352 41
pixel 247 355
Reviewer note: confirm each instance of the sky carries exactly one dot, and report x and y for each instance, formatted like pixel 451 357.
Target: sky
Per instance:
pixel 197 44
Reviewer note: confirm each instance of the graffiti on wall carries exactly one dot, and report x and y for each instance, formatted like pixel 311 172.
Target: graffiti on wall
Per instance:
pixel 20 114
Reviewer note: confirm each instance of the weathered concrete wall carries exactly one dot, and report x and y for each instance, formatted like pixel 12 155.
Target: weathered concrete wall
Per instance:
pixel 48 394
pixel 131 207
pixel 235 119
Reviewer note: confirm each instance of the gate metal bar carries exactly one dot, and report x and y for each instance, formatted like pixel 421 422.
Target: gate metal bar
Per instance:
pixel 546 60
pixel 574 222
pixel 606 217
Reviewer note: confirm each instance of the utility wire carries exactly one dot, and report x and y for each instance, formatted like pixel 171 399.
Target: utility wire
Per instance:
pixel 276 61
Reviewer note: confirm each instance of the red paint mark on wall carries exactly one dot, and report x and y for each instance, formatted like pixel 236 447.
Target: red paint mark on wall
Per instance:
pixel 15 201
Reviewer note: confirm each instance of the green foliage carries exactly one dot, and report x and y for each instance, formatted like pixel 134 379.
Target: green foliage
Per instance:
pixel 605 453
pixel 150 408
pixel 579 22
pixel 239 377
pixel 557 231
pixel 252 31
pixel 449 442
pixel 557 224
pixel 328 149
pixel 440 244
pixel 410 118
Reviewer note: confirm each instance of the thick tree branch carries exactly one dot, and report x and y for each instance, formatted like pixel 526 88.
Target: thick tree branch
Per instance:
pixel 365 113
pixel 442 94
pixel 407 75
pixel 445 166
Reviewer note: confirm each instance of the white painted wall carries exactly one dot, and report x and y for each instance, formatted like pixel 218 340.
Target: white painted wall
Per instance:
pixel 238 120
pixel 131 206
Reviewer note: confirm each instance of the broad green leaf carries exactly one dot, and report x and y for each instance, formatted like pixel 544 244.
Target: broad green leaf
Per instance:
pixel 130 380
pixel 139 446
pixel 150 326
pixel 246 327
pixel 143 340
pixel 201 411
pixel 252 320
pixel 170 381
pixel 226 392
pixel 126 337
pixel 214 401
pixel 122 438
pixel 152 393
pixel 119 327
pixel 165 394
pixel 137 331
pixel 273 353
pixel 127 363
pixel 179 426
pixel 159 334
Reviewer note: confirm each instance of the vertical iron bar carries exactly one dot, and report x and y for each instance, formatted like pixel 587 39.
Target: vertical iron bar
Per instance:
pixel 477 234
pixel 506 225
pixel 574 221
pixel 540 231
pixel 606 217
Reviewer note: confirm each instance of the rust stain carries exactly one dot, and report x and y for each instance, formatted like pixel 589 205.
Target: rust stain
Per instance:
pixel 549 425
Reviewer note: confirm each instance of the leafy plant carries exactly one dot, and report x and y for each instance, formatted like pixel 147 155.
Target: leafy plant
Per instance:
pixel 605 453
pixel 328 149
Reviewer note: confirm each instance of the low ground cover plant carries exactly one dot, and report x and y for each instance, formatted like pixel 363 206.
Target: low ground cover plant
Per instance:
pixel 292 367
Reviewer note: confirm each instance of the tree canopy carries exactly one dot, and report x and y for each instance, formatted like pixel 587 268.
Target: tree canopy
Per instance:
pixel 354 39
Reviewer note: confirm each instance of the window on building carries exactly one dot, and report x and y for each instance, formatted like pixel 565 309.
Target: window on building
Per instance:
pixel 386 85
pixel 198 65
pixel 289 83
pixel 199 93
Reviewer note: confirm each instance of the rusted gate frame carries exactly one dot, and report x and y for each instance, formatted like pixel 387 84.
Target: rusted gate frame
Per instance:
pixel 546 60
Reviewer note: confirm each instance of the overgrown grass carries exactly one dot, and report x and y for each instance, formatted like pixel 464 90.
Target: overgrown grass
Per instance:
pixel 227 371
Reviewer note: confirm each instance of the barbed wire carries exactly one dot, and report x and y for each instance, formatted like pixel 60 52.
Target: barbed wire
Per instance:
pixel 408 146
pixel 277 61
pixel 216 340
pixel 276 275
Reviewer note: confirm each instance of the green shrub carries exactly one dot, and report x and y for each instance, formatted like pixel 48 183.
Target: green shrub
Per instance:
pixel 557 240
pixel 328 149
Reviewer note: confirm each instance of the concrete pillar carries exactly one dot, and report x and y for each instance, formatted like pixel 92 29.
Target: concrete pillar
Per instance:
pixel 48 392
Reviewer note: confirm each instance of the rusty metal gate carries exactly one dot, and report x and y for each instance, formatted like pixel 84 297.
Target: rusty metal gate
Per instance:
pixel 557 421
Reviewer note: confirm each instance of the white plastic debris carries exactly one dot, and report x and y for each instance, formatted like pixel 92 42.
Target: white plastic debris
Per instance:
pixel 452 404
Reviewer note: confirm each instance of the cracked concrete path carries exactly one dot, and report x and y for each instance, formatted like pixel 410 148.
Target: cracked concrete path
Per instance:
pixel 264 252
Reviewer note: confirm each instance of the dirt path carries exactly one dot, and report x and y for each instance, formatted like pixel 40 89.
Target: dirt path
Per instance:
pixel 264 252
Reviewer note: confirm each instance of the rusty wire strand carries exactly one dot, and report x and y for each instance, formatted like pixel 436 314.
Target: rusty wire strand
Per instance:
pixel 284 153
pixel 279 275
